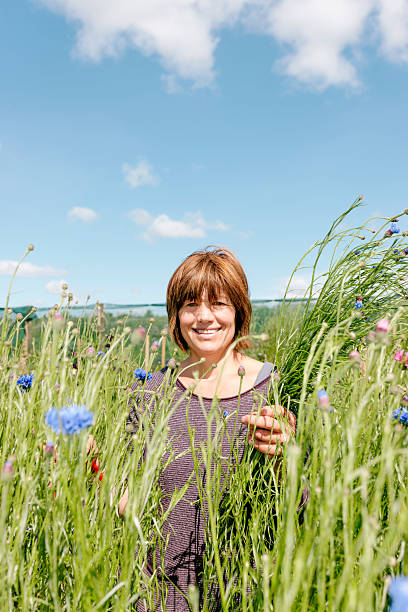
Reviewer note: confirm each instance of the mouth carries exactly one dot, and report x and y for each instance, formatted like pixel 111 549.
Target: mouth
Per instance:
pixel 207 333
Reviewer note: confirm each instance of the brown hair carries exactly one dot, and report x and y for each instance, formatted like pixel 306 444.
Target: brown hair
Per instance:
pixel 216 271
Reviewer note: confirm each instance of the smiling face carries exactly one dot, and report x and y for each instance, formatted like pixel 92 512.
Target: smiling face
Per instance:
pixel 207 326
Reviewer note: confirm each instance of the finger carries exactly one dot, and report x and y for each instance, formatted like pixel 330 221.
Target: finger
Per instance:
pixel 264 435
pixel 273 411
pixel 267 449
pixel 263 422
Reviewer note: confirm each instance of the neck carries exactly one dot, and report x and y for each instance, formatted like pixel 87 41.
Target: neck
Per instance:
pixel 210 368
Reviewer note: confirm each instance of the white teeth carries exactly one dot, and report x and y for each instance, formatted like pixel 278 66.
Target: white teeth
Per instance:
pixel 208 332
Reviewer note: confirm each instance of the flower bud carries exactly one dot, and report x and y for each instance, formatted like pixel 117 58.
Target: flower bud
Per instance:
pixel 19 316
pixel 90 352
pixel 7 472
pixel 241 371
pixel 382 326
pixel 354 355
pixel 155 346
pixel 172 364
pixel 58 321
pixel 323 400
pixel 164 332
pixel 49 448
pixel 152 320
pixel 64 286
pixel 30 247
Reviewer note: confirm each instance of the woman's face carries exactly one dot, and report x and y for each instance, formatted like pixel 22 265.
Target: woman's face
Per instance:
pixel 207 327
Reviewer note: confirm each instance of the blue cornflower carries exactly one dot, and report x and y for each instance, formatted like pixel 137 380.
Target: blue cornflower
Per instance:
pixel 141 374
pixel 358 304
pixel 71 418
pixel 225 413
pixel 100 353
pixel 398 590
pixel 357 252
pixel 401 414
pixel 24 382
pixel 394 229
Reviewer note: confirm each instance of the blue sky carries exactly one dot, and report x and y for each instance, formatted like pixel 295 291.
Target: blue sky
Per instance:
pixel 134 133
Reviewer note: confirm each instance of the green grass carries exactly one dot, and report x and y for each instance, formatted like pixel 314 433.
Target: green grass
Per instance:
pixel 63 545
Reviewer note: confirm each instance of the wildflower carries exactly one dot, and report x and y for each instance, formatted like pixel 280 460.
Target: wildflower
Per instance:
pixel 388 232
pixel 70 418
pixel 24 382
pixel 138 335
pixel 19 316
pixel 323 400
pixel 100 353
pixel 394 229
pixel 401 415
pixel 95 469
pixel 241 371
pixel 357 252
pixel 359 303
pixel 7 473
pixel 398 591
pixel 355 356
pixel 155 346
pixel 141 374
pixel 58 321
pixel 399 355
pixel 57 386
pixel 49 448
pixel 171 364
pixel 382 326
pixel 164 332
pixel 90 352
pixel 225 413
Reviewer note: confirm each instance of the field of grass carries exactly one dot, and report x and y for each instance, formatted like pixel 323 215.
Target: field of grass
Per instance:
pixel 63 545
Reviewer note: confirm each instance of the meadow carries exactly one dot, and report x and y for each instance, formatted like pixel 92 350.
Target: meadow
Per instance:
pixel 342 359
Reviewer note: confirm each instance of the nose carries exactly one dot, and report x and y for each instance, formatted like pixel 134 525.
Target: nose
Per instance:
pixel 204 312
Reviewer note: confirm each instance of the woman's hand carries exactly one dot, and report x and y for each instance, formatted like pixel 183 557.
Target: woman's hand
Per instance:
pixel 269 429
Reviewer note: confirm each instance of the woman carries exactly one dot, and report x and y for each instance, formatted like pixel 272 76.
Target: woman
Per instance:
pixel 209 309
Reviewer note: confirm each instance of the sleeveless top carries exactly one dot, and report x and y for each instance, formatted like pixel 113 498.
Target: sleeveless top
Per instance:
pixel 184 552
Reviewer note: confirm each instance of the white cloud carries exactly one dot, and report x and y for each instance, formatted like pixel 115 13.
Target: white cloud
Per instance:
pixel 192 226
pixel 298 286
pixel 55 286
pixel 27 269
pixel 139 216
pixel 319 32
pixel 393 26
pixel 82 214
pixel 323 38
pixel 141 174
